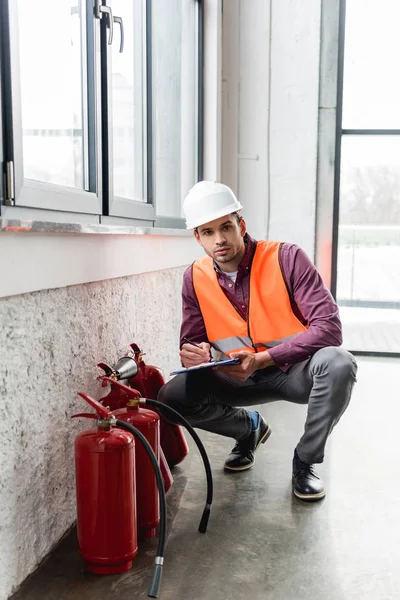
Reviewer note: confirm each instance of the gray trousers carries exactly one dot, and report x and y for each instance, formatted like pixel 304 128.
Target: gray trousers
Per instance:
pixel 210 400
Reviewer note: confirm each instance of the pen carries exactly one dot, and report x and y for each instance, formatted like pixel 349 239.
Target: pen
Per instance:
pixel 197 346
pixel 192 343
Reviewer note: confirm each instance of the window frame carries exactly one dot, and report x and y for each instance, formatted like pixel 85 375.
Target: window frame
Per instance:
pixel 340 132
pixel 37 194
pixel 1 124
pixel 118 206
pixel 53 198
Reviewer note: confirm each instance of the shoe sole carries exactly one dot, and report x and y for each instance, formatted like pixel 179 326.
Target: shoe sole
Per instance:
pixel 263 439
pixel 309 497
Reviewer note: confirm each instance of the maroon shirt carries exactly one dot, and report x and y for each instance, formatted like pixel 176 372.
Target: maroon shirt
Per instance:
pixel 311 302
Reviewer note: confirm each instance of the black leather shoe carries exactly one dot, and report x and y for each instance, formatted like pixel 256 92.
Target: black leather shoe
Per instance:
pixel 306 483
pixel 242 456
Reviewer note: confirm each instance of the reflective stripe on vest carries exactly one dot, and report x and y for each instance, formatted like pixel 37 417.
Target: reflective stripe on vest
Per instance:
pixel 271 320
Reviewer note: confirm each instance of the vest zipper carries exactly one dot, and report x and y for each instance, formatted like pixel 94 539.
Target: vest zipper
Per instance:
pixel 283 276
pixel 248 314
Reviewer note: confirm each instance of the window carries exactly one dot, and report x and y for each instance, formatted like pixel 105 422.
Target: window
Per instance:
pixel 174 102
pixel 368 198
pixel 52 111
pixel 53 141
pixel 102 105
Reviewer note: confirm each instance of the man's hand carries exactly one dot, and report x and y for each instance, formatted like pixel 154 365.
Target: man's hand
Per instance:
pixel 249 364
pixel 191 356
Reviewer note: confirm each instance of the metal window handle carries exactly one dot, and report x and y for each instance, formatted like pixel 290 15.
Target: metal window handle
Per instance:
pixel 121 24
pixel 110 22
pixel 101 9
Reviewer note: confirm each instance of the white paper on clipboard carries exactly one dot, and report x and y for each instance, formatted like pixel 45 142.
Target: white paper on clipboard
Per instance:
pixel 209 365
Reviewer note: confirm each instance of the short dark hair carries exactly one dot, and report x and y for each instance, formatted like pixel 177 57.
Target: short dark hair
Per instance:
pixel 238 218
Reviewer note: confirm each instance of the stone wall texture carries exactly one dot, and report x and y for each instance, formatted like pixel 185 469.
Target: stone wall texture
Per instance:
pixel 50 342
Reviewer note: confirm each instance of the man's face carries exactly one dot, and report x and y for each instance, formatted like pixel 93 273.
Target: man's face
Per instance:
pixel 222 239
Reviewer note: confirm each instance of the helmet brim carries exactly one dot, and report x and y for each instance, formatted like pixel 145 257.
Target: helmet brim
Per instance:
pixel 227 210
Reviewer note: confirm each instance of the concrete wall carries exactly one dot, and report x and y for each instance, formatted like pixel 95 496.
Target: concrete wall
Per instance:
pixel 245 116
pixel 330 13
pixel 270 68
pixel 50 342
pixel 245 107
pixel 294 120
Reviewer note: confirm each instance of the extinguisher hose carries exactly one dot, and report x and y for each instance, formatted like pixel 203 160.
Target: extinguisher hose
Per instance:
pixel 154 588
pixel 178 417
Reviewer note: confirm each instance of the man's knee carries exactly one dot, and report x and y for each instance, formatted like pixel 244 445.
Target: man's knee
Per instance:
pixel 336 362
pixel 172 393
pixel 180 395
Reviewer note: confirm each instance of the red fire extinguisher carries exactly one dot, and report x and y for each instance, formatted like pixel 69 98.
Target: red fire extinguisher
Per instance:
pixel 105 489
pixel 148 380
pixel 106 497
pixel 148 423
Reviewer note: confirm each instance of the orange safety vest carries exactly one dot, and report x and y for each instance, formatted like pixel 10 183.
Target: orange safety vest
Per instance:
pixel 270 320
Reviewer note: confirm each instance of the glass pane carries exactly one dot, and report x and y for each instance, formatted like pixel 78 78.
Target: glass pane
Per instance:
pixel 371 98
pixel 175 67
pixel 50 50
pixel 128 114
pixel 368 288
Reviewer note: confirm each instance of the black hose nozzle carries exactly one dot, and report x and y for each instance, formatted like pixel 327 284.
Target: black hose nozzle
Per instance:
pixel 161 407
pixel 154 589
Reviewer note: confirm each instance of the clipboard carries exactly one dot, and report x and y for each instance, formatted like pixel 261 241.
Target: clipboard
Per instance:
pixel 209 365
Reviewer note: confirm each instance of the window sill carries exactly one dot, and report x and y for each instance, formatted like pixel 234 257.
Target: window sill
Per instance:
pixel 22 226
pixel 54 255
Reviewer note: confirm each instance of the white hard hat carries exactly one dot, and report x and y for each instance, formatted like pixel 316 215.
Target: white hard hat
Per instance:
pixel 208 200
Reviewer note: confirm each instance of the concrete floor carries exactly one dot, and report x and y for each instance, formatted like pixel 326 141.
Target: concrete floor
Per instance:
pixel 262 543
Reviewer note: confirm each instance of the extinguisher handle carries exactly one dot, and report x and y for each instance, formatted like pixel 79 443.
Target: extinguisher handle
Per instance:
pixel 106 368
pixel 87 415
pixel 131 392
pixel 102 411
